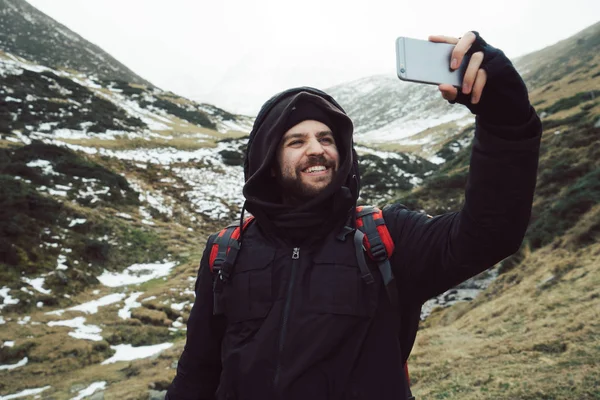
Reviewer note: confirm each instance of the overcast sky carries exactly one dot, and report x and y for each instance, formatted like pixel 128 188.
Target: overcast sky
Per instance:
pixel 237 53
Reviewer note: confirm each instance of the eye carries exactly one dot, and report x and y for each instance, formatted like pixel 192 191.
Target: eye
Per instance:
pixel 327 140
pixel 295 143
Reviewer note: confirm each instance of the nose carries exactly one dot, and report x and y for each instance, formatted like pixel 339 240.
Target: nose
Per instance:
pixel 314 147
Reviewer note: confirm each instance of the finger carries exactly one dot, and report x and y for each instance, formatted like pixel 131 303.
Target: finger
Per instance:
pixel 461 48
pixel 471 72
pixel 448 91
pixel 443 39
pixel 478 86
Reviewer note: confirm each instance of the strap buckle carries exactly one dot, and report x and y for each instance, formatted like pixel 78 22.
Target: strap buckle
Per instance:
pixel 378 251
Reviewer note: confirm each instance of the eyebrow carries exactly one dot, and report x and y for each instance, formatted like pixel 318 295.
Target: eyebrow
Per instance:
pixel 301 135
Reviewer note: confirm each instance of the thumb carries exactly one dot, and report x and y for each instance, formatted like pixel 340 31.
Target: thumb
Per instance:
pixel 448 91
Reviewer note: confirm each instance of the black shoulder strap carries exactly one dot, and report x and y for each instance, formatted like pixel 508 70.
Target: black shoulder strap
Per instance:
pixel 379 254
pixel 222 263
pixel 377 251
pixel 223 242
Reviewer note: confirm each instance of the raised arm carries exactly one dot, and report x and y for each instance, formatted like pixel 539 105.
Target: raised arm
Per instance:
pixel 435 254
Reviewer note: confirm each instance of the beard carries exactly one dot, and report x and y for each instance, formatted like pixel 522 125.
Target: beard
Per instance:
pixel 293 187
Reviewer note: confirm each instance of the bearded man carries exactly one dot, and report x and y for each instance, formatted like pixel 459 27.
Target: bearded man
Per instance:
pixel 295 319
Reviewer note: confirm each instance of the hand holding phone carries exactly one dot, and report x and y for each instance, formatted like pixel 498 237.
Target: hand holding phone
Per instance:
pixel 443 61
pixel 423 61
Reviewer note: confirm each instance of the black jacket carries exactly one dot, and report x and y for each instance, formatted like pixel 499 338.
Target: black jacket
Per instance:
pixel 299 321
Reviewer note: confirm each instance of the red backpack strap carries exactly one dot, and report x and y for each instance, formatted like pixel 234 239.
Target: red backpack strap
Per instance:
pixel 373 237
pixel 224 242
pixel 222 258
pixel 376 238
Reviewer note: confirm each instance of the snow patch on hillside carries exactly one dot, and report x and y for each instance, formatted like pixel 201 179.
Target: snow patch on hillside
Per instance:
pixel 37 284
pixel 135 274
pixel 91 307
pixel 214 191
pixel 21 363
pixel 26 392
pixel 82 331
pixel 407 126
pixel 130 303
pixel 155 199
pixel 126 352
pixel 90 390
pixel 7 298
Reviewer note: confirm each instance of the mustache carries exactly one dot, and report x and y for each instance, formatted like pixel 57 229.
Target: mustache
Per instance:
pixel 317 160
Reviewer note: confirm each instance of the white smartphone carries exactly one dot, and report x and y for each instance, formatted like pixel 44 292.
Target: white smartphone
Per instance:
pixel 427 62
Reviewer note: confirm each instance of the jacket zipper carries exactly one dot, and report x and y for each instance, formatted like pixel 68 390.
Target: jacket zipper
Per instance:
pixel 286 312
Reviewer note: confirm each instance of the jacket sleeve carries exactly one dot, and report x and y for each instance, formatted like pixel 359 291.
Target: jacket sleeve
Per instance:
pixel 199 367
pixel 434 254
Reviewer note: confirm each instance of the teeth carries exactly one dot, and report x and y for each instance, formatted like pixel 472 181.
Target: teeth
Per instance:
pixel 315 168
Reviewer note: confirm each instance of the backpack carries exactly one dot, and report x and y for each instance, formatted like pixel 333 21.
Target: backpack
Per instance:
pixel 372 237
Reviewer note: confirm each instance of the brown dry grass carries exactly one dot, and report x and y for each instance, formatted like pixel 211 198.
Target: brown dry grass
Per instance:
pixel 181 137
pixel 7 144
pixel 568 85
pixel 534 334
pixel 138 143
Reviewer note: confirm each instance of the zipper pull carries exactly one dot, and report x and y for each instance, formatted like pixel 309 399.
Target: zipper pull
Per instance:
pixel 296 253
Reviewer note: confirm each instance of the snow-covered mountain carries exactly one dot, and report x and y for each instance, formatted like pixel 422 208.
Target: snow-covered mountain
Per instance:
pixel 385 108
pixel 73 104
pixel 390 113
pixel 31 34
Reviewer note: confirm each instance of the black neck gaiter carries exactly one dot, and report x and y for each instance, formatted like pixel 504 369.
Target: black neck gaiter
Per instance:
pixel 301 224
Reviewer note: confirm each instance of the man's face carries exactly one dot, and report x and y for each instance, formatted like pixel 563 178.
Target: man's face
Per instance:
pixel 308 160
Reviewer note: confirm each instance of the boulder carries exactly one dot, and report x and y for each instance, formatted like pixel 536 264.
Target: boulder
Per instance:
pixel 156 395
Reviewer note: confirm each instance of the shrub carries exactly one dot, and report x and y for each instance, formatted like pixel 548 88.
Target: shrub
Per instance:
pixel 551 348
pixel 456 180
pixel 563 172
pixel 556 218
pixel 572 120
pixel 139 335
pixel 96 252
pixel 24 213
pixel 126 88
pixel 569 102
pixel 193 116
pixel 231 157
pixel 588 235
pixel 11 355
pixel 69 163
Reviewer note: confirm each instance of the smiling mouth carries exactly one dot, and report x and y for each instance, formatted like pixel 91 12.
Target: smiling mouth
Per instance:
pixel 315 169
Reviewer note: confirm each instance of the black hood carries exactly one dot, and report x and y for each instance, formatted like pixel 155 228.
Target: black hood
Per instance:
pixel 262 191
